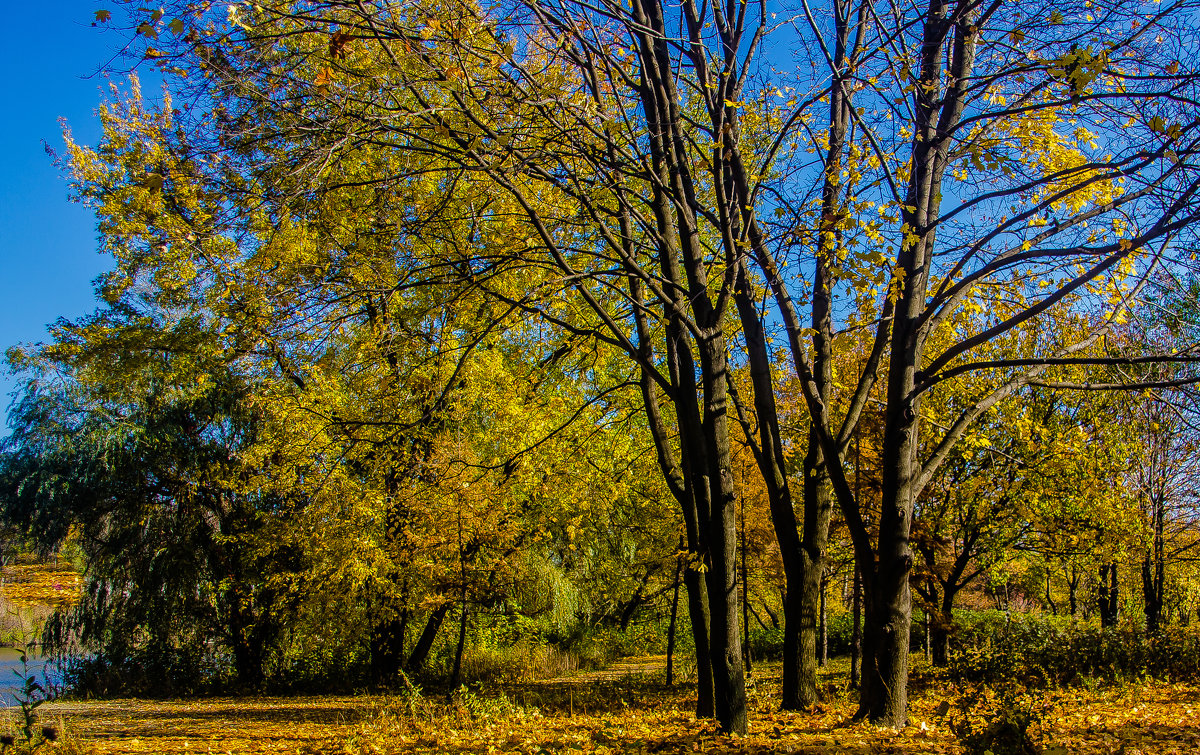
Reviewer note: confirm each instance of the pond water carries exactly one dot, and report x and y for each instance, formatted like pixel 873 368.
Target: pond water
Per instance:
pixel 12 679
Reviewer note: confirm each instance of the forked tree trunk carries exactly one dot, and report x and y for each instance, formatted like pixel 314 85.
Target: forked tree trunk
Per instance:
pixel 729 682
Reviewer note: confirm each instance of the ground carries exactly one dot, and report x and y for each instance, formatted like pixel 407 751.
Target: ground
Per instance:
pixel 624 709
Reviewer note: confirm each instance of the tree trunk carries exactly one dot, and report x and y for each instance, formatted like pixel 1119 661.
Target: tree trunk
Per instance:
pixel 420 652
pixel 729 683
pixel 387 648
pixel 745 596
pixel 799 677
pixel 823 634
pixel 698 612
pixel 940 628
pixel 248 652
pixel 1072 591
pixel 1109 595
pixel 888 623
pixel 672 626
pixel 939 640
pixel 1154 570
pixel 856 632
pixel 818 508
pixel 680 476
pixel 456 675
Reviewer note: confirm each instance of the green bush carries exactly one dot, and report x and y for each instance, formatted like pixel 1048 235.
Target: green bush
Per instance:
pixel 766 644
pixel 1041 652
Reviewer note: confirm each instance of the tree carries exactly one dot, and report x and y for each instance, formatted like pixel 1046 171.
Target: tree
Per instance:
pixel 164 495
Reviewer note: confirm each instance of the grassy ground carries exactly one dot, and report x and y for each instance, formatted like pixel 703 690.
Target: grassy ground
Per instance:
pixel 626 709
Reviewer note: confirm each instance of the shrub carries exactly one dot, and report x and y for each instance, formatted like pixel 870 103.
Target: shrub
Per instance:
pixel 1041 652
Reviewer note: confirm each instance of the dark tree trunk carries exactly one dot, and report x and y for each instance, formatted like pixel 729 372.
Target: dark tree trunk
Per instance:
pixel 698 609
pixel 856 632
pixel 939 641
pixel 387 648
pixel 745 596
pixel 1154 570
pixel 248 649
pixel 799 680
pixel 1073 591
pixel 674 622
pixel 941 624
pixel 888 625
pixel 823 641
pixel 729 683
pixel 420 652
pixel 1109 595
pixel 679 474
pixel 456 674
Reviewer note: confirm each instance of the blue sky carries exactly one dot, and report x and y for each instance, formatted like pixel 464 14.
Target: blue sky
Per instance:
pixel 48 252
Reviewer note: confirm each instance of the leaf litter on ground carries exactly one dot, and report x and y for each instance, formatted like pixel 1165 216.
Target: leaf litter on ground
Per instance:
pixel 606 713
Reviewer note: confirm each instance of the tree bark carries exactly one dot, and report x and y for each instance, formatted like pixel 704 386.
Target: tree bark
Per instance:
pixel 1108 595
pixel 729 683
pixel 387 648
pixel 856 632
pixel 456 674
pixel 940 628
pixel 799 679
pixel 823 634
pixel 1072 591
pixel 420 652
pixel 1154 569
pixel 672 626
pixel 745 596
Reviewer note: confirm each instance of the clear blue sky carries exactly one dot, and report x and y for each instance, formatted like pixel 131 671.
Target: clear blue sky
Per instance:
pixel 48 252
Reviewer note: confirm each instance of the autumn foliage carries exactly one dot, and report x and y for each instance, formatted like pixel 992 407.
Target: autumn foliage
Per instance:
pixel 474 343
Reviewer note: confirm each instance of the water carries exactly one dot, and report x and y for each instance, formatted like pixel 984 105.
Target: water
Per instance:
pixel 12 679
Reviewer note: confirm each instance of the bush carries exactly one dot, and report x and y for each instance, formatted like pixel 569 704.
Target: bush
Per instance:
pixel 1041 652
pixel 766 644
